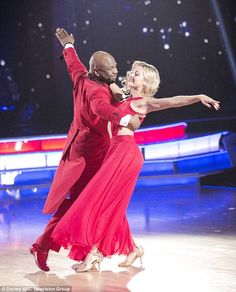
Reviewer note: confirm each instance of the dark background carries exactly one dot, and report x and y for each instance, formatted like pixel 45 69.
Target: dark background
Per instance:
pixel 182 38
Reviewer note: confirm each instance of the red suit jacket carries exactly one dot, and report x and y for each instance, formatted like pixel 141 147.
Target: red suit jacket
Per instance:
pixel 88 139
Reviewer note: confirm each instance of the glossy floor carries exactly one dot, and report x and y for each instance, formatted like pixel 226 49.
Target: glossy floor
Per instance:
pixel 188 233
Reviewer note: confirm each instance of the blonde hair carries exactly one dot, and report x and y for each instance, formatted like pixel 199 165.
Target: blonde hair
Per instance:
pixel 151 77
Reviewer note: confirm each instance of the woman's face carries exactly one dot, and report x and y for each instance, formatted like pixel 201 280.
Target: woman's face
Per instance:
pixel 135 79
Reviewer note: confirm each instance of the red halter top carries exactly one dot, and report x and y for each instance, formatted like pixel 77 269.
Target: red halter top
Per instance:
pixel 125 107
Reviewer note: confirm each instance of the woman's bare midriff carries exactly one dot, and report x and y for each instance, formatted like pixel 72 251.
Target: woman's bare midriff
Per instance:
pixel 125 131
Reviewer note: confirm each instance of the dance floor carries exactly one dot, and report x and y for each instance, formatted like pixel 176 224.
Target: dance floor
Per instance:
pixel 188 233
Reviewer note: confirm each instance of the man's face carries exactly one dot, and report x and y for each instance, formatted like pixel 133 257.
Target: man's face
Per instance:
pixel 107 70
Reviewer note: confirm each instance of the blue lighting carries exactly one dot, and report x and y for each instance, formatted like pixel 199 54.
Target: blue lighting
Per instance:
pixel 225 38
pixel 7 108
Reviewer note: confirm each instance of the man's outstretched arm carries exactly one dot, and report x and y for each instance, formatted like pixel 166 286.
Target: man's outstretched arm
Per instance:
pixel 74 65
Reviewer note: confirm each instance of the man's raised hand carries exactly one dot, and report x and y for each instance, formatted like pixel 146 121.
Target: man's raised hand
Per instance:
pixel 63 37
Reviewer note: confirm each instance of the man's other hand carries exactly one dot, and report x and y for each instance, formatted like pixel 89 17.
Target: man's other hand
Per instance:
pixel 134 123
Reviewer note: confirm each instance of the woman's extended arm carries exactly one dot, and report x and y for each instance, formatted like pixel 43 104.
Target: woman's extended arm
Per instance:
pixel 157 104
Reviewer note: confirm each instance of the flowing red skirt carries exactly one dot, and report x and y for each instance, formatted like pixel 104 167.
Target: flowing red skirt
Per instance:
pixel 98 216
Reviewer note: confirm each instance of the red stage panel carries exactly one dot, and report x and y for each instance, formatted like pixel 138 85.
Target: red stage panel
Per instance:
pixel 160 134
pixel 50 143
pixel 20 146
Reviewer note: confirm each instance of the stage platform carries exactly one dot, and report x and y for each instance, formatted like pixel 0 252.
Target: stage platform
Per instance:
pixel 188 231
pixel 188 234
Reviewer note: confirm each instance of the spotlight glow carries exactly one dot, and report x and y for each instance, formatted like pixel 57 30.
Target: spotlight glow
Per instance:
pixel 166 46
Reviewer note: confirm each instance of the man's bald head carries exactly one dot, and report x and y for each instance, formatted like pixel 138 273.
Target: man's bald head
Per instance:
pixel 103 66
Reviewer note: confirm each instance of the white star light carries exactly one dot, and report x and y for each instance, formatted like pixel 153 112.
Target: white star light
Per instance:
pixel 145 29
pixel 166 46
pixel 147 2
pixel 2 63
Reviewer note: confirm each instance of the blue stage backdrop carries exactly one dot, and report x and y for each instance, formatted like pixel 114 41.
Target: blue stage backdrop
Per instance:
pixel 192 43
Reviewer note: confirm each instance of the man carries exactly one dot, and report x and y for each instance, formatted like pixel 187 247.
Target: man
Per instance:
pixel 88 139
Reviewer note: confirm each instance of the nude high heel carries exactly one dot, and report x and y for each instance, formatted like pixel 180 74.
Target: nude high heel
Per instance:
pixel 131 257
pixel 93 257
pixel 79 265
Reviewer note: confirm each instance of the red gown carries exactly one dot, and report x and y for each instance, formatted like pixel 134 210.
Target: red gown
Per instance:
pixel 98 216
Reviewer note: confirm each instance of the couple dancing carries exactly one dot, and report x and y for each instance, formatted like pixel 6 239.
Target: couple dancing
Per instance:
pixel 101 161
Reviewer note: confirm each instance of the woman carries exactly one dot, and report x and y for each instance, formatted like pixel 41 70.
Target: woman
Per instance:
pixel 96 225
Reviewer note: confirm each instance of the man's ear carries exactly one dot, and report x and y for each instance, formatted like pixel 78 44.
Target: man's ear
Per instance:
pixel 95 72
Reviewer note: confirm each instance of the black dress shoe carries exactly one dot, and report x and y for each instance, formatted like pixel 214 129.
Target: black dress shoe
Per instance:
pixel 40 257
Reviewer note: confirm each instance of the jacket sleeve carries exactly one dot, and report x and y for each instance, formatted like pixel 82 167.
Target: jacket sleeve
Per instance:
pixel 101 106
pixel 74 65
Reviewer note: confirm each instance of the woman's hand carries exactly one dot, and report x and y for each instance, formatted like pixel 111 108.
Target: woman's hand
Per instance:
pixel 115 89
pixel 209 102
pixel 116 92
